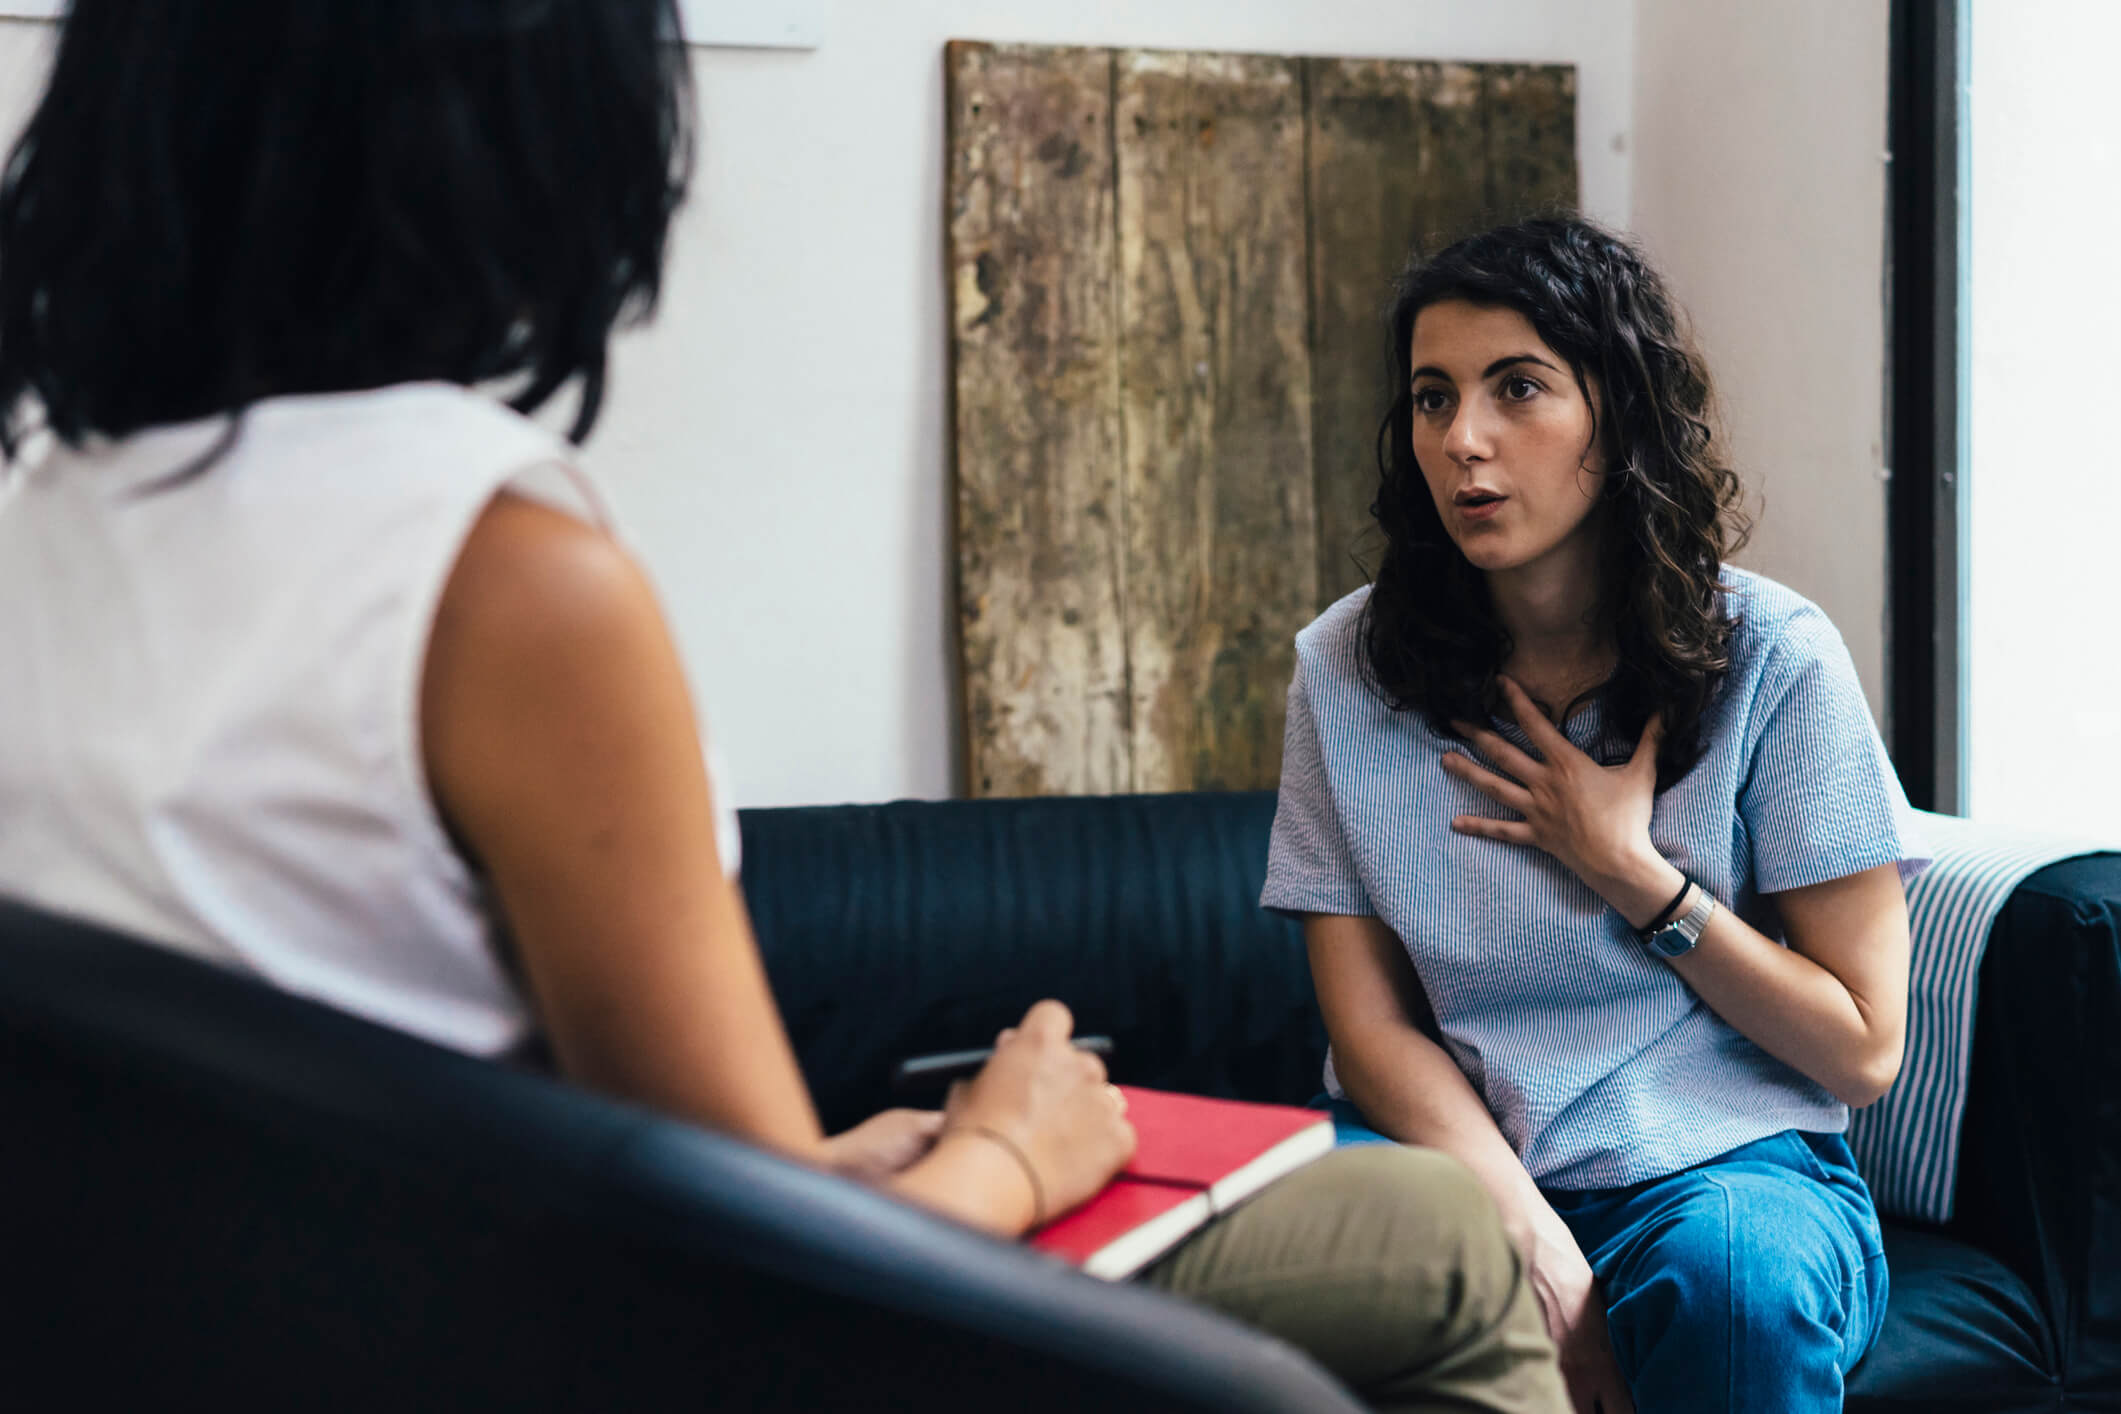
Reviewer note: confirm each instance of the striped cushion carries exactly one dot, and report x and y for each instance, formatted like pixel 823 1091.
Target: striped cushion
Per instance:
pixel 1908 1143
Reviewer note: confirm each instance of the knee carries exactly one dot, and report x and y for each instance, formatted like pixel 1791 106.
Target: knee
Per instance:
pixel 1786 1251
pixel 1437 1227
pixel 1424 1188
pixel 1691 1260
pixel 1736 1253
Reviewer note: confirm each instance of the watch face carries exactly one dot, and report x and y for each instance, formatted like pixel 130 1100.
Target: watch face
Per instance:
pixel 1668 941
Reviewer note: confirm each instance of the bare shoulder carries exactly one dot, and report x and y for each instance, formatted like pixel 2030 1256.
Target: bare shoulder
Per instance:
pixel 552 691
pixel 531 579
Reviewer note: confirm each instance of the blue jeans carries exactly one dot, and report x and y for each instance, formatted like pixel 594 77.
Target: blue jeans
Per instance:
pixel 1752 1283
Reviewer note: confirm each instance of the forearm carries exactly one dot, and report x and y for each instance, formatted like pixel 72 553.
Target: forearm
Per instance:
pixel 1409 1089
pixel 1792 1008
pixel 1783 1001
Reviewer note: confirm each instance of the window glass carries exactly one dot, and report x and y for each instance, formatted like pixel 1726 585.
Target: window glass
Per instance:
pixel 2043 581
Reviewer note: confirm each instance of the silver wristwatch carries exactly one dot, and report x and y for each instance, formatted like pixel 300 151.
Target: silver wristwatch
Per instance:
pixel 1677 938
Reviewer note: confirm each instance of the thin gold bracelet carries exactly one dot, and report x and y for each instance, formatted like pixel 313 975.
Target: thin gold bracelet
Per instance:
pixel 1023 1160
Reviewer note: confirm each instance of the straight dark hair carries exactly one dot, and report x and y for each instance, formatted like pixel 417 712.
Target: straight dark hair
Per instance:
pixel 221 201
pixel 1672 507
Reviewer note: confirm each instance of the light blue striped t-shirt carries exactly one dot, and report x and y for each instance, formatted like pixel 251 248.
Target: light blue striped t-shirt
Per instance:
pixel 1600 1066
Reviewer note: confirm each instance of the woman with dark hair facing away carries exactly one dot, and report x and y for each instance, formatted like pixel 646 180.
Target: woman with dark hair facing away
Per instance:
pixel 1599 855
pixel 324 664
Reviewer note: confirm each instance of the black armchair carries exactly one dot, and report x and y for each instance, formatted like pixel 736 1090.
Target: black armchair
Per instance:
pixel 217 1196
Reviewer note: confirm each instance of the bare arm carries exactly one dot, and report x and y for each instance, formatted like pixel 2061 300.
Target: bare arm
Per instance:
pixel 1410 1089
pixel 562 748
pixel 561 745
pixel 1404 1083
pixel 1833 1004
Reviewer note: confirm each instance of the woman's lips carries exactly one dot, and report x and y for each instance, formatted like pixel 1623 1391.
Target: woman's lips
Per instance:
pixel 1481 509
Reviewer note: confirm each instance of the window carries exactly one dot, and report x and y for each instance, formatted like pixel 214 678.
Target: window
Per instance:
pixel 2043 631
pixel 2007 391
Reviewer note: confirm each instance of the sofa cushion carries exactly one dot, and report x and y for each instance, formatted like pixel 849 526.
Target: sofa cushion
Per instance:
pixel 1962 1332
pixel 895 929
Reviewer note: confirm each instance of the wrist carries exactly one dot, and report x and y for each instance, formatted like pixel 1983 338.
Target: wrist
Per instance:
pixel 1525 1215
pixel 1522 1229
pixel 1639 886
pixel 996 1173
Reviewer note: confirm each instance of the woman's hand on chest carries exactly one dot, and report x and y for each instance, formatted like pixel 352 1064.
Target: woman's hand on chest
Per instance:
pixel 1595 819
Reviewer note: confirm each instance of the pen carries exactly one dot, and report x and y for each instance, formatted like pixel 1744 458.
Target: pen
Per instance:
pixel 925 1072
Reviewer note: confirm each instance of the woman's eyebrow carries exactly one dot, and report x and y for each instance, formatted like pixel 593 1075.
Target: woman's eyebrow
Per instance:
pixel 1430 370
pixel 1501 363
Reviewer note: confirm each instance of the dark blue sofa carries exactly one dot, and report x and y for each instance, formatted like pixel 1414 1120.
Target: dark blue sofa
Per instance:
pixel 215 1195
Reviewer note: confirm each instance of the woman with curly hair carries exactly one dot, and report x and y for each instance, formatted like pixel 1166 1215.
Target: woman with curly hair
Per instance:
pixel 1599 856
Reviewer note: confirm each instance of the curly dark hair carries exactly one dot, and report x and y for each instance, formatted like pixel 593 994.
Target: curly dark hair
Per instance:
pixel 218 204
pixel 1672 508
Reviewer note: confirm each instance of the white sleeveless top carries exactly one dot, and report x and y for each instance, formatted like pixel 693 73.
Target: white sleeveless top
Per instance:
pixel 209 695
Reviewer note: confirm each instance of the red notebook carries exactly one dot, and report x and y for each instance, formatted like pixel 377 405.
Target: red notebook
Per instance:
pixel 1195 1158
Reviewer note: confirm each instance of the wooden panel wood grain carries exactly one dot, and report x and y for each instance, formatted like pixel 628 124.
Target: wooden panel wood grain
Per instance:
pixel 1215 392
pixel 1531 150
pixel 1035 371
pixel 1398 159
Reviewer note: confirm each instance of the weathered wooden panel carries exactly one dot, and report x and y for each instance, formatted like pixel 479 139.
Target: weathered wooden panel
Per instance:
pixel 1531 116
pixel 1036 419
pixel 1397 159
pixel 1215 406
pixel 1168 272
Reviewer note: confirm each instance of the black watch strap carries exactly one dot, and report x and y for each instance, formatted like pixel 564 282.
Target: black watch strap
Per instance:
pixel 1664 915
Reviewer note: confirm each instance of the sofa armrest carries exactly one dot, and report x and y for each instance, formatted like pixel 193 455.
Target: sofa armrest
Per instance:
pixel 2040 1148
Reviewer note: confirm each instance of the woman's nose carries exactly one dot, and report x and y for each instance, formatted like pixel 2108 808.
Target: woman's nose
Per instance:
pixel 1467 439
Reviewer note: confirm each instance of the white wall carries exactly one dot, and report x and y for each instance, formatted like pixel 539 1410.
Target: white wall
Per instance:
pixel 777 443
pixel 25 49
pixel 1759 187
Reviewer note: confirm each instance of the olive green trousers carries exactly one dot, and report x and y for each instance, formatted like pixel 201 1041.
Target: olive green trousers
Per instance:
pixel 1388 1266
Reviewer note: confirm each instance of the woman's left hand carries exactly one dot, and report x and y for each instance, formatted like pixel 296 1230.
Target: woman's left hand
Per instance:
pixel 883 1144
pixel 1594 819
